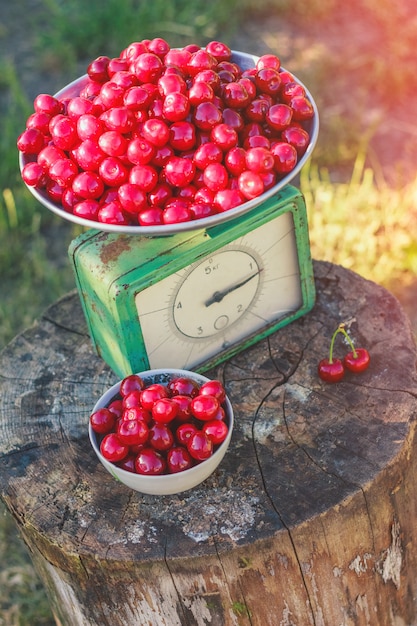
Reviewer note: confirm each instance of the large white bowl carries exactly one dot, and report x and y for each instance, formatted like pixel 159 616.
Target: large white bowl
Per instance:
pixel 245 61
pixel 164 484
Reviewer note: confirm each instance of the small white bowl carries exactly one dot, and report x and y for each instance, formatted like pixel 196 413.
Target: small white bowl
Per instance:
pixel 164 484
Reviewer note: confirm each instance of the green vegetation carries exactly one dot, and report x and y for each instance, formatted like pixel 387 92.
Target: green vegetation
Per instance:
pixel 357 219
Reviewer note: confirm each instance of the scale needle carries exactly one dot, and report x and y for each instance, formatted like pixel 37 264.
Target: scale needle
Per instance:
pixel 219 295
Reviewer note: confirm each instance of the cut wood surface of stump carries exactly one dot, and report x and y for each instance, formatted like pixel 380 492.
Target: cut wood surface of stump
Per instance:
pixel 309 520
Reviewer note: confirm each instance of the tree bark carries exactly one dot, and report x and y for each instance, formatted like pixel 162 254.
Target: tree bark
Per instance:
pixel 309 520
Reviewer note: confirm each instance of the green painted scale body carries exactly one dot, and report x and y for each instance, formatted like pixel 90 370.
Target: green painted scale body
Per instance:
pixel 192 299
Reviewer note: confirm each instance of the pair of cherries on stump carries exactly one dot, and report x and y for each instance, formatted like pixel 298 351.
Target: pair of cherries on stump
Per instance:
pixel 356 360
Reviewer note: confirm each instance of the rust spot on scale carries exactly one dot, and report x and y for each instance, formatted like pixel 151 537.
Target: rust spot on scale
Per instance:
pixel 111 250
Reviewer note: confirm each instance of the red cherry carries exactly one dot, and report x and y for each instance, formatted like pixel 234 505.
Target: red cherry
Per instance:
pixel 140 151
pixel 130 383
pixel 226 199
pixel 207 153
pixel 39 120
pixel 147 67
pixel 259 159
pixel 178 459
pixel 176 107
pixel 34 175
pixel 48 104
pixel 177 57
pixel 257 109
pixel 182 136
pixel 176 211
pixel 183 386
pixel 208 77
pixel 224 136
pixel 89 155
pixel 79 106
pixel 150 217
pixel 214 388
pixel 268 60
pixel 137 98
pixel 87 209
pixel 200 210
pixel 116 408
pixel 158 46
pixel 291 89
pixel 132 432
pixel 297 137
pixel 155 131
pixel 137 413
pixel 204 407
pixel 151 394
pixel 216 430
pixel 200 446
pixel 285 157
pixel 88 185
pixel 235 95
pixel 331 371
pixel 64 132
pixel 102 421
pixel 150 462
pixel 131 399
pixel 63 171
pixel 302 108
pixel 111 95
pixel 216 176
pixel 200 92
pixel 357 361
pixel 144 176
pixel 171 83
pixel 112 448
pixel 184 412
pixel 132 198
pixel 179 171
pixel 235 160
pixel 279 116
pixel 161 437
pixel 184 432
pixel 268 80
pixel 201 60
pixel 113 172
pixel 112 213
pixel 89 127
pixel 250 184
pixel 164 410
pixel 128 463
pixel 206 115
pixel 97 69
pixel 31 141
pixel 219 50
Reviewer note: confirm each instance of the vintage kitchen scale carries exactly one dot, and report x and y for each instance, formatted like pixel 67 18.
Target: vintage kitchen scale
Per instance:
pixel 190 295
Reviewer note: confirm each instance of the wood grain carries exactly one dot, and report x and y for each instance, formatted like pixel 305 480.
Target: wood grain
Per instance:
pixel 310 519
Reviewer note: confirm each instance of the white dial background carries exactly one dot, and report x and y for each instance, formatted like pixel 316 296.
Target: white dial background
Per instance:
pixel 194 314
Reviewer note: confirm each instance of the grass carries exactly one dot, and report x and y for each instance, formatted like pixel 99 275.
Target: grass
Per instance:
pixel 356 218
pixel 381 240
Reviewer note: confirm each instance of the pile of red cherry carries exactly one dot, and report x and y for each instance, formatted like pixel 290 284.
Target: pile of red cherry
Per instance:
pixel 161 428
pixel 162 135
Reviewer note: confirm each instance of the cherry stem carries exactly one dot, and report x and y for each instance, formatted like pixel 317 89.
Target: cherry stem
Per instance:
pixel 341 329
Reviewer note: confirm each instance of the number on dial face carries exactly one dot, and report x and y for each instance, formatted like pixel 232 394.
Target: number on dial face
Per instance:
pixel 192 315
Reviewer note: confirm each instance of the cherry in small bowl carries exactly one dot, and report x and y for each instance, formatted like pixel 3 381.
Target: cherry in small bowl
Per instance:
pixel 167 454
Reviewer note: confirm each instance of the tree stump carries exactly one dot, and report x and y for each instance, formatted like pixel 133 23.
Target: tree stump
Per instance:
pixel 309 520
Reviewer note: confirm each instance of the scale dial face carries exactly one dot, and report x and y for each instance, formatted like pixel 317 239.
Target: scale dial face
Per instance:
pixel 218 301
pixel 229 280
